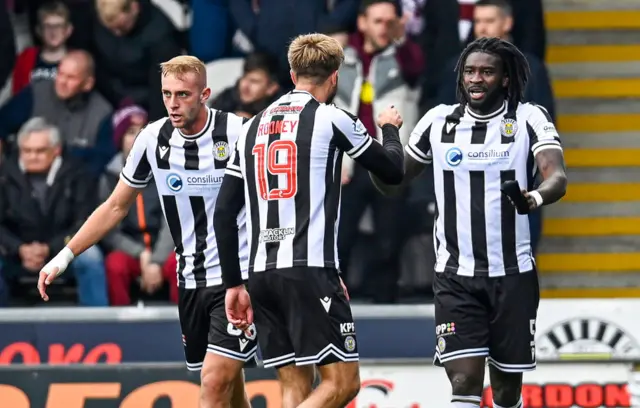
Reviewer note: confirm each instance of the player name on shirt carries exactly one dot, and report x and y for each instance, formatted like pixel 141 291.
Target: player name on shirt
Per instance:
pixel 478 231
pixel 189 170
pixel 290 158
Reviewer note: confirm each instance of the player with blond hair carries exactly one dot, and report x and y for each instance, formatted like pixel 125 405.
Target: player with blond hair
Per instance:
pixel 187 153
pixel 287 163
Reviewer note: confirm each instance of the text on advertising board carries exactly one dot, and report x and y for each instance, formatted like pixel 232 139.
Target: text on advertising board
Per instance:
pixel 25 353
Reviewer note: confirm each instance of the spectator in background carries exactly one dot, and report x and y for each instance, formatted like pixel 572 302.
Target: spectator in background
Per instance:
pixel 70 103
pixel 254 91
pixel 130 40
pixel 380 68
pixel 7 45
pixel 449 28
pixel 44 198
pixel 142 244
pixel 493 18
pixel 271 24
pixel 41 63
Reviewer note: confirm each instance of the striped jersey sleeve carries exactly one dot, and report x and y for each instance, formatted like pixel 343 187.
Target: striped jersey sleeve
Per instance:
pixel 419 146
pixel 542 132
pixel 236 132
pixel 353 136
pixel 137 170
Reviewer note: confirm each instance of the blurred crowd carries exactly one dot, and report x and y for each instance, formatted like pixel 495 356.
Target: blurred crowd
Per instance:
pixel 82 79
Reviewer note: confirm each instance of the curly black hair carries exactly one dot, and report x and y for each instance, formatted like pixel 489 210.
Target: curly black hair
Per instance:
pixel 515 66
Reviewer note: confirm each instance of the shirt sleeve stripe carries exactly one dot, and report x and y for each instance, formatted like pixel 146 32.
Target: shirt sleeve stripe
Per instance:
pixel 233 173
pixel 358 150
pixel 417 154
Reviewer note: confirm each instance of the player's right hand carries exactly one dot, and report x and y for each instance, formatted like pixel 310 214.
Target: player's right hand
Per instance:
pixel 45 280
pixel 238 307
pixel 390 116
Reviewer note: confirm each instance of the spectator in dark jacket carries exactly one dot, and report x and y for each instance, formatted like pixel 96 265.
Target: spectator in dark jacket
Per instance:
pixel 7 45
pixel 44 199
pixel 142 244
pixel 271 24
pixel 70 103
pixel 493 18
pixel 447 31
pixel 131 39
pixel 255 90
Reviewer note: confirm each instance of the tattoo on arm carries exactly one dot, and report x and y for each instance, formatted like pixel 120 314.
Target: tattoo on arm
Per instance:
pixel 551 165
pixel 412 168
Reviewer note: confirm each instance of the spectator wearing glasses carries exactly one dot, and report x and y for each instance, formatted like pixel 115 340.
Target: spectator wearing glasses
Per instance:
pixel 41 63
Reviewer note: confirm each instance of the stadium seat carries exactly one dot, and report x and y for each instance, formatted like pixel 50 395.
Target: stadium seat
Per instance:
pixel 223 73
pixel 179 14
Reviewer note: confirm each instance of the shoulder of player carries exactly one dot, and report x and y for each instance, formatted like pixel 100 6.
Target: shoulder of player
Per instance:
pixel 152 129
pixel 438 112
pixel 533 112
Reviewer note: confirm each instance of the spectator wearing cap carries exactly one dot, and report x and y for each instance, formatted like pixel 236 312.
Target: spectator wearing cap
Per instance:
pixel 141 246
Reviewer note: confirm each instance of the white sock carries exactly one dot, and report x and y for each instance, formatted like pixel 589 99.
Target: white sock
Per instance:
pixel 518 405
pixel 465 401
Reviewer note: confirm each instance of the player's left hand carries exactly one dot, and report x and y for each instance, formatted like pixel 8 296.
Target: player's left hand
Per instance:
pixel 344 288
pixel 237 305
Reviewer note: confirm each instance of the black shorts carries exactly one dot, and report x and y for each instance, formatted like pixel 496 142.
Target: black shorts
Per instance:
pixel 303 317
pixel 487 317
pixel 205 328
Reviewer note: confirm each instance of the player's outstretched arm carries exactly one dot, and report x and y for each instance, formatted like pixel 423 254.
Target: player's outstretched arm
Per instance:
pixel 96 227
pixel 412 168
pixel 386 161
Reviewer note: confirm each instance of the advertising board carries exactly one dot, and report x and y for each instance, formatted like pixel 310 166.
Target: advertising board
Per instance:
pixel 557 385
pixel 582 329
pixel 588 329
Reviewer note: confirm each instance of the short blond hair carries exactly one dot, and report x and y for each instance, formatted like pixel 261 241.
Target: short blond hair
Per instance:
pixel 315 56
pixel 109 10
pixel 184 64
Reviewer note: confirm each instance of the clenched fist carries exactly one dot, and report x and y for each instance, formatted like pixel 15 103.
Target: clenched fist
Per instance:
pixel 390 116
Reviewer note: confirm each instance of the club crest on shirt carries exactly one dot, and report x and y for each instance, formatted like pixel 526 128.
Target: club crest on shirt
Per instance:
pixel 508 127
pixel 221 151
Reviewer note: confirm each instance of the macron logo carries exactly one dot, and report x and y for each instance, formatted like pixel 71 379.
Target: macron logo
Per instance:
pixel 163 151
pixel 326 303
pixel 243 344
pixel 450 126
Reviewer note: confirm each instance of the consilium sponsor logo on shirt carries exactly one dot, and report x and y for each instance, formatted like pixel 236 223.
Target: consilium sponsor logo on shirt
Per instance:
pixel 193 184
pixel 489 155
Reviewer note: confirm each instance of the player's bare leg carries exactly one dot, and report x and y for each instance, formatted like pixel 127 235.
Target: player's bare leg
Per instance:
pixel 219 381
pixel 296 383
pixel 339 385
pixel 466 376
pixel 239 397
pixel 506 387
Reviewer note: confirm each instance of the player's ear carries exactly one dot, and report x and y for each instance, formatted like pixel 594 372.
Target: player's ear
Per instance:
pixel 206 94
pixel 505 81
pixel 293 77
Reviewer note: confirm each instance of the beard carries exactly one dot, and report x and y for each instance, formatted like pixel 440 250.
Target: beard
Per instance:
pixel 490 100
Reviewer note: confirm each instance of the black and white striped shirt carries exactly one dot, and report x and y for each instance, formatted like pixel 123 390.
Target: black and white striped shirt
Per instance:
pixel 286 168
pixel 189 170
pixel 477 231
